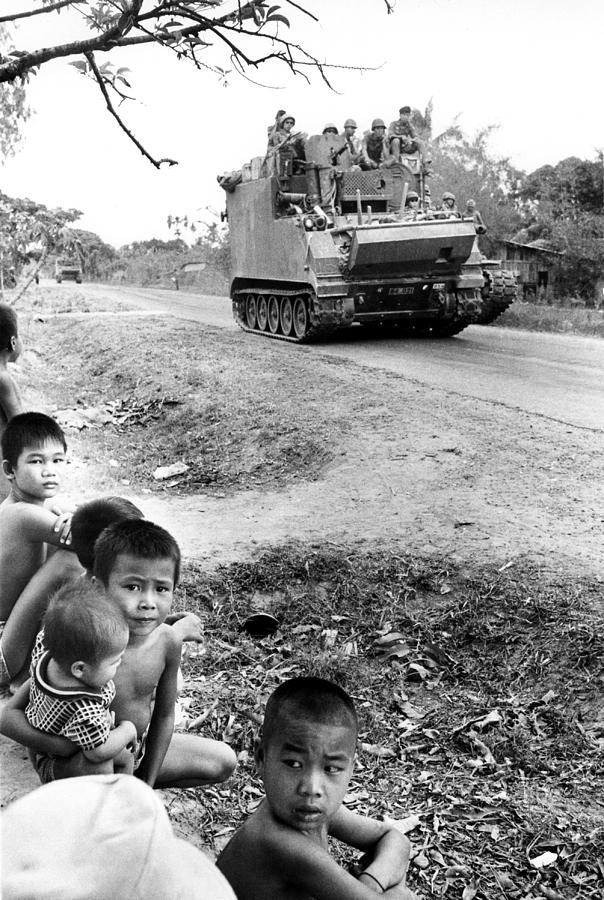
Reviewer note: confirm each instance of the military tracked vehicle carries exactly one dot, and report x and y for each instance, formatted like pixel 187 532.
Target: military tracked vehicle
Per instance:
pixel 318 245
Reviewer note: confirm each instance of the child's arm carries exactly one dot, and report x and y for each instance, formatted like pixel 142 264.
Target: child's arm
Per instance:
pixel 186 625
pixel 161 727
pixel 14 724
pixel 387 847
pixel 37 524
pixel 119 738
pixel 311 869
pixel 10 398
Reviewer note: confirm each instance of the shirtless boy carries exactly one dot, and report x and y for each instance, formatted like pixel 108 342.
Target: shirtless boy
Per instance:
pixel 305 758
pixel 10 351
pixel 138 563
pixel 33 453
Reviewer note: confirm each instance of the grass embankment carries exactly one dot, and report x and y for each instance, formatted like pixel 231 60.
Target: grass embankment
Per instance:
pixel 480 699
pixel 229 409
pixel 556 319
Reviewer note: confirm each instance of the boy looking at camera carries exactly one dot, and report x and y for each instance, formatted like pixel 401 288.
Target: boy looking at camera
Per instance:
pixel 34 455
pixel 138 564
pixel 71 687
pixel 305 758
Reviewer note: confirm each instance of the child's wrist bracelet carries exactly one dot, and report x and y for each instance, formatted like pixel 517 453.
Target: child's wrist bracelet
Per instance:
pixel 373 878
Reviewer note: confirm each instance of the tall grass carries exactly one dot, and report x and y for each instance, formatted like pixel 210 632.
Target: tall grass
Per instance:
pixel 556 319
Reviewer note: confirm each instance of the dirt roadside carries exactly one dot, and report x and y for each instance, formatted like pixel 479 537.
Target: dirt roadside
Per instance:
pixel 392 461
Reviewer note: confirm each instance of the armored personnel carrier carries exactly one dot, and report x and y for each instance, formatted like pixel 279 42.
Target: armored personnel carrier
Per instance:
pixel 318 245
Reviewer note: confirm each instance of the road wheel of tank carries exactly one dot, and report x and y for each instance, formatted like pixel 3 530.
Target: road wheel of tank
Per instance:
pixel 273 315
pixel 262 313
pixel 300 318
pixel 286 316
pixel 250 311
pixel 499 292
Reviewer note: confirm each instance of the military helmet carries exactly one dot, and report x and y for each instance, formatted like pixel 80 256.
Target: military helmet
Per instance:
pixel 330 127
pixel 448 196
pixel 412 195
pixel 378 123
pixel 350 123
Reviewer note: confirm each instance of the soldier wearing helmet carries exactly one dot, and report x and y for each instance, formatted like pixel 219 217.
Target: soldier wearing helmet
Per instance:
pixel 374 147
pixel 282 137
pixel 448 203
pixel 353 151
pixel 412 208
pixel 281 130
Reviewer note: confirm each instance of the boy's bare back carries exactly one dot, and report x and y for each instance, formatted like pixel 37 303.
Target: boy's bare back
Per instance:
pixel 10 398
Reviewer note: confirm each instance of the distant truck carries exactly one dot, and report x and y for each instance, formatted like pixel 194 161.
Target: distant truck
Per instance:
pixel 68 267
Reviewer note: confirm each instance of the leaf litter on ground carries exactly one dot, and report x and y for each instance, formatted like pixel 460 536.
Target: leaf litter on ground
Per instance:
pixel 481 731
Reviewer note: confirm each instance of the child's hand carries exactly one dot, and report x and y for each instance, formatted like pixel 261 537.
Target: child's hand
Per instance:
pixel 187 626
pixel 62 527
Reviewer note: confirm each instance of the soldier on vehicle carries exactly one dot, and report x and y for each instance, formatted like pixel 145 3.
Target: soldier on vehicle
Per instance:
pixel 478 222
pixel 402 136
pixel 283 140
pixel 353 143
pixel 374 150
pixel 449 204
pixel 278 116
pixel 412 208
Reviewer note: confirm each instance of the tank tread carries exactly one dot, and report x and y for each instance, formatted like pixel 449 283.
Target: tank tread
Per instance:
pixel 499 293
pixel 313 332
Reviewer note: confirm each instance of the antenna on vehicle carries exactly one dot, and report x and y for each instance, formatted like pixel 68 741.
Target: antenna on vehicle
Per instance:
pixel 359 208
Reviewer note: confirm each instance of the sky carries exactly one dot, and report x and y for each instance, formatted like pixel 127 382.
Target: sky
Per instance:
pixel 532 68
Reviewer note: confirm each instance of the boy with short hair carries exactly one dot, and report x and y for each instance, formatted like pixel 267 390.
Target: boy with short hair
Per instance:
pixel 305 757
pixel 71 686
pixel 34 454
pixel 138 563
pixel 11 348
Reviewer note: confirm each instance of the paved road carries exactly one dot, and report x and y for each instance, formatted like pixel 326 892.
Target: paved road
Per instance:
pixel 555 376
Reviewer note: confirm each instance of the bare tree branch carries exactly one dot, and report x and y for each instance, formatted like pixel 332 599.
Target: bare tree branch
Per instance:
pixel 37 12
pixel 101 82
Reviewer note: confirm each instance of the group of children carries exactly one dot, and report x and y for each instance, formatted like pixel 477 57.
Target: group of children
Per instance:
pixel 85 604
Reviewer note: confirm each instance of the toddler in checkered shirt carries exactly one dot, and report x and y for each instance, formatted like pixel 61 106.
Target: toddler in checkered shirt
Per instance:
pixel 71 686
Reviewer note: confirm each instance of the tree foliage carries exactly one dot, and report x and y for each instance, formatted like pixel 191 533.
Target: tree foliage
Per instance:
pixel 212 35
pixel 565 204
pixel 29 231
pixel 465 165
pixel 571 188
pixel 13 106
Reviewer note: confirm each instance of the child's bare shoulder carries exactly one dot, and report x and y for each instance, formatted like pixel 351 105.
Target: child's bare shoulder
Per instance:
pixel 28 516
